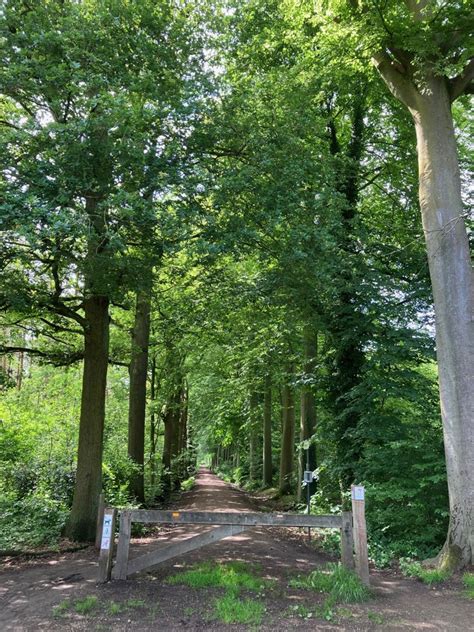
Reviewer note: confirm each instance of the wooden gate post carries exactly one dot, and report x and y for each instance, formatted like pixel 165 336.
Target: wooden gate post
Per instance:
pixel 347 541
pixel 360 533
pixel 121 563
pixel 106 545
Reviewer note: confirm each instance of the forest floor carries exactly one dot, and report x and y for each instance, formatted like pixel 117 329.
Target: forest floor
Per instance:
pixel 40 594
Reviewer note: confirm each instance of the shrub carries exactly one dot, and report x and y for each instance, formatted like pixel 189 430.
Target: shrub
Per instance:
pixel 33 521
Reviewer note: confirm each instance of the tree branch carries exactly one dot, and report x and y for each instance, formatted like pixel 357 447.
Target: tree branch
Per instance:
pixel 398 84
pixel 463 82
pixel 57 359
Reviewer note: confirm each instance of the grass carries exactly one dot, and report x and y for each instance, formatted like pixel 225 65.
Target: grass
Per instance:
pixel 231 609
pixel 90 603
pixel 468 581
pixel 61 609
pixel 114 608
pixel 86 605
pixel 342 585
pixel 135 603
pixel 375 617
pixel 232 575
pixel 426 575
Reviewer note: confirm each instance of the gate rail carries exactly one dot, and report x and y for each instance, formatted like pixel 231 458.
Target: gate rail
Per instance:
pixel 350 523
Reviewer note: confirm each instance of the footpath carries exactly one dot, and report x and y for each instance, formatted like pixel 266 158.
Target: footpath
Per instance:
pixel 42 594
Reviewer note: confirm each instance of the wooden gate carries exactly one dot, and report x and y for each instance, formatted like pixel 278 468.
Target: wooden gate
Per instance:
pixel 353 536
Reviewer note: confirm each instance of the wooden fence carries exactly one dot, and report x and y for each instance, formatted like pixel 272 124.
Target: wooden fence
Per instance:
pixel 350 524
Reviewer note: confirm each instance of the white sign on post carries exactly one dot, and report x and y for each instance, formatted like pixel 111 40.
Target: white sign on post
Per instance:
pixel 358 492
pixel 107 534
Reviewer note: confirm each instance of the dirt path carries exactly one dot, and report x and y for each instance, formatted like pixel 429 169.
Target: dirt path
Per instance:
pixel 30 590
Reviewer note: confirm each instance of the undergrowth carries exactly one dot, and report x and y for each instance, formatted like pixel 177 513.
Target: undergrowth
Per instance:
pixel 188 484
pixel 426 575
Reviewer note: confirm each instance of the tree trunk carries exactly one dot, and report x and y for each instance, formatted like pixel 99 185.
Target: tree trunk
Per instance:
pixel 287 439
pixel 308 409
pixel 267 434
pixel 171 420
pixel 137 393
pixel 453 293
pixel 153 427
pixel 83 517
pixel 253 438
pixel 183 433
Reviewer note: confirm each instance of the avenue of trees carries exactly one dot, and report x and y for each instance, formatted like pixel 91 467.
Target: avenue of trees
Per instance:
pixel 238 233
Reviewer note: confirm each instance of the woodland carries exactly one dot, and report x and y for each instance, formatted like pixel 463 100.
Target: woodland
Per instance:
pixel 237 233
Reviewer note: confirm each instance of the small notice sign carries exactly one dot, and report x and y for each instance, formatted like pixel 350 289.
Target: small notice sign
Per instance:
pixel 308 476
pixel 106 532
pixel 358 492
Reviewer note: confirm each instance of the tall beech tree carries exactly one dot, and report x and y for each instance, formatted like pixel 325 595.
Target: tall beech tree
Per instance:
pixel 422 51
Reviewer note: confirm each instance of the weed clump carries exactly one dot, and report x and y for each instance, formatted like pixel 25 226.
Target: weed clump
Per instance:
pixel 341 584
pixel 86 605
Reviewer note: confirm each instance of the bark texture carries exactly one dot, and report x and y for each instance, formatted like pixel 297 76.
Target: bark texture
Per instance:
pixel 453 293
pixel 83 517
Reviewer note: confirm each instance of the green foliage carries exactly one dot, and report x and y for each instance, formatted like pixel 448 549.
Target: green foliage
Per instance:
pixel 188 484
pixel 230 609
pixel 31 521
pixel 249 247
pixel 426 575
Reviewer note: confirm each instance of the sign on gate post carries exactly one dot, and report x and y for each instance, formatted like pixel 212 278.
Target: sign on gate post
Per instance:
pixel 360 533
pixel 107 545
